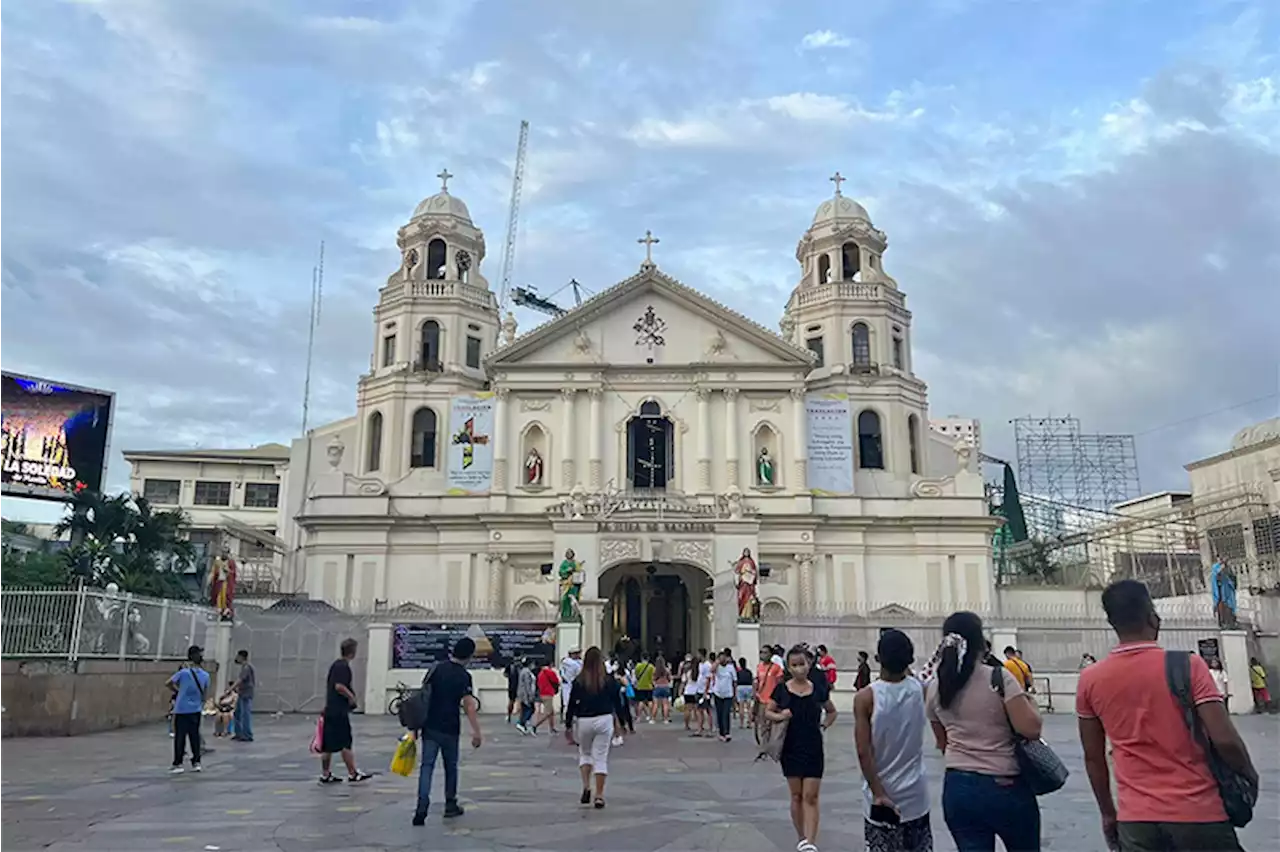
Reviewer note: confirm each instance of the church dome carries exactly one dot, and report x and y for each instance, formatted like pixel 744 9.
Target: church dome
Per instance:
pixel 840 208
pixel 442 204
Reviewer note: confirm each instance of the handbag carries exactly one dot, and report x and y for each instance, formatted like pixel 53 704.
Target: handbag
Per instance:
pixel 1239 794
pixel 1039 766
pixel 317 741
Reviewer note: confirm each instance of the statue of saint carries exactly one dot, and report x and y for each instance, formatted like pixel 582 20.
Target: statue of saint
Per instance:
pixel 764 467
pixel 745 577
pixel 1222 586
pixel 533 467
pixel 222 585
pixel 570 588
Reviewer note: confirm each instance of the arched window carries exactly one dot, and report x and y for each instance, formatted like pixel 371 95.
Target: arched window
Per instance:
pixel 870 446
pixel 375 442
pixel 431 346
pixel 650 409
pixel 435 259
pixel 913 440
pixel 422 450
pixel 850 257
pixel 861 345
pixel 824 268
pixel 650 448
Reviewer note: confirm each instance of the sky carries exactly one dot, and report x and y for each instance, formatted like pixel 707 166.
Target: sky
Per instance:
pixel 1082 198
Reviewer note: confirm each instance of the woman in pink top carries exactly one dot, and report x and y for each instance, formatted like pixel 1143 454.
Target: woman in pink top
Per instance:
pixel 982 795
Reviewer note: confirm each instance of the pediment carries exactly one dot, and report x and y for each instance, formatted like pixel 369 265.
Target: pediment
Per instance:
pixel 651 320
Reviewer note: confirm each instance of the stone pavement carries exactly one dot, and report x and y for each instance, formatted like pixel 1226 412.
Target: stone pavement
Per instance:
pixel 111 791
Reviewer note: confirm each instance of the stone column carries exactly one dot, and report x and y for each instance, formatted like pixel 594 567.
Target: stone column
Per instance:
pixel 596 456
pixel 221 652
pixel 500 440
pixel 377 654
pixel 800 441
pixel 711 625
pixel 1234 651
pixel 567 478
pixel 731 435
pixel 497 583
pixel 804 566
pixel 704 439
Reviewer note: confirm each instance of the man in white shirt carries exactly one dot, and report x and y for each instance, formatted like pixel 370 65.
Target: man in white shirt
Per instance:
pixel 703 711
pixel 570 668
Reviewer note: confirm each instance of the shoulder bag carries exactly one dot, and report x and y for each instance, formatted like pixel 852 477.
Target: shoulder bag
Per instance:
pixel 1039 766
pixel 1239 794
pixel 413 710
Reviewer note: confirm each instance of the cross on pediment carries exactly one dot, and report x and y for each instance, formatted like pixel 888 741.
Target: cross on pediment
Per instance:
pixel 648 240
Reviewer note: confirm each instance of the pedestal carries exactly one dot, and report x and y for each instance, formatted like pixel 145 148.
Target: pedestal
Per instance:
pixel 568 638
pixel 1235 662
pixel 593 623
pixel 748 644
pixel 377 669
pixel 222 653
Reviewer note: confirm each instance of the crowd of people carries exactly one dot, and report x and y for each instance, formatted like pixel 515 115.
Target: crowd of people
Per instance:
pixel 1155 719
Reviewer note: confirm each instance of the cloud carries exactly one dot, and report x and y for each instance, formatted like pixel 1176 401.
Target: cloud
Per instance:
pixel 824 40
pixel 1080 207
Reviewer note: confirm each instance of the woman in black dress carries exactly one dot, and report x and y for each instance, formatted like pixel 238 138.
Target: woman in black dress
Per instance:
pixel 803 703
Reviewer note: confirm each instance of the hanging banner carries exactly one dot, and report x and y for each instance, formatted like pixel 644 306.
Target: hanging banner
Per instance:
pixel 830 437
pixel 469 452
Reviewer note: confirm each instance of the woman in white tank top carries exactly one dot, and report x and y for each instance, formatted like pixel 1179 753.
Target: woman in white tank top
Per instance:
pixel 890 725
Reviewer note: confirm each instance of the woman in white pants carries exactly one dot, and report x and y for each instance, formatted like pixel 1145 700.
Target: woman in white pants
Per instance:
pixel 594 701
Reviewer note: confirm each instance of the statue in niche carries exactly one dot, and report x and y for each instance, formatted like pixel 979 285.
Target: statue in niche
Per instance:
pixel 745 577
pixel 764 468
pixel 571 580
pixel 533 467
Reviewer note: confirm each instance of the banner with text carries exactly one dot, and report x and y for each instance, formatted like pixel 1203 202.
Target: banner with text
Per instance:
pixel 830 437
pixel 469 450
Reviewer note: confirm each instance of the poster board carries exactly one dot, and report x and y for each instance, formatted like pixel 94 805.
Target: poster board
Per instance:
pixel 830 442
pixel 419 645
pixel 469 444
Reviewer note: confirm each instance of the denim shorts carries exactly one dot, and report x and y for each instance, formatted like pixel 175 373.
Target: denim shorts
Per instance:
pixel 662 693
pixel 744 693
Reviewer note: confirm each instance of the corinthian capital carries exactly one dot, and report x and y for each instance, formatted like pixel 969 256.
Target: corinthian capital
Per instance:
pixel 502 393
pixel 497 558
pixel 803 559
pixel 797 394
pixel 567 394
pixel 731 394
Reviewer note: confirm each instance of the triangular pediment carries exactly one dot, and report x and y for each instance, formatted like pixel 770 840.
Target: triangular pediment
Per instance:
pixel 651 316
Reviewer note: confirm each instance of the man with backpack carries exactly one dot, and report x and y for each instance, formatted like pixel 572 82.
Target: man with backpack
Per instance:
pixel 446 692
pixel 1183 775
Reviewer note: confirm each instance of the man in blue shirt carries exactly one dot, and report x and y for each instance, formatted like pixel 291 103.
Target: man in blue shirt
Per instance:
pixel 189 685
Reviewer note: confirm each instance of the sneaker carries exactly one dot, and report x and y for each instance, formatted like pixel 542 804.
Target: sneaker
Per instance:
pixel 360 776
pixel 195 767
pixel 176 770
pixel 453 809
pixel 586 797
pixel 522 729
pixel 419 820
pixel 330 779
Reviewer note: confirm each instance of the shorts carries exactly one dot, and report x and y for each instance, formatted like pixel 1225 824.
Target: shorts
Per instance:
pixel 644 695
pixel 336 735
pixel 744 694
pixel 912 836
pixel 662 693
pixel 511 693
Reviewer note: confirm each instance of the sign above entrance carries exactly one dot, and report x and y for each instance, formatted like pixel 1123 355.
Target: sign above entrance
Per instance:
pixel 662 525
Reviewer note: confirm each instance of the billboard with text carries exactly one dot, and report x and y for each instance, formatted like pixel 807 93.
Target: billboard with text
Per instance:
pixel 55 437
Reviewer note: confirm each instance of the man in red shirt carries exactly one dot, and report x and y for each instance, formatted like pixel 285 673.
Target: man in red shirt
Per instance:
pixel 1168 796
pixel 827 663
pixel 548 686
pixel 768 676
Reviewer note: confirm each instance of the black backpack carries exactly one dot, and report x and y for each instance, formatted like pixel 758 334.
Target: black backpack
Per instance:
pixel 1239 794
pixel 414 708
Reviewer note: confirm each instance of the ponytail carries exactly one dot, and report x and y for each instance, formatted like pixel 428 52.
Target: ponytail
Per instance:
pixel 962 646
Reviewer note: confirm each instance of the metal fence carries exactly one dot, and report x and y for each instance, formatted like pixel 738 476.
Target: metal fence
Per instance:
pixel 88 623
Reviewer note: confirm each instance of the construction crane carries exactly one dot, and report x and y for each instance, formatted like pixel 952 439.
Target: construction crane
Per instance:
pixel 528 298
pixel 513 220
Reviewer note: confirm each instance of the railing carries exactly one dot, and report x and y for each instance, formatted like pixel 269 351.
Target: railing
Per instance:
pixel 87 623
pixel 451 289
pixel 846 290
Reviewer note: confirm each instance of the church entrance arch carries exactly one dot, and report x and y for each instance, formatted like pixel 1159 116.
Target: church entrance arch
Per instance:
pixel 654 607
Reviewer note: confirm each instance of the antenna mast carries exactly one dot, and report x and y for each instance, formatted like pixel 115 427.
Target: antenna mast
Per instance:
pixel 513 219
pixel 317 295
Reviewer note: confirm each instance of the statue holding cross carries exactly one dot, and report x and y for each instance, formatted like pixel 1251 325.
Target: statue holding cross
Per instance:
pixel 648 240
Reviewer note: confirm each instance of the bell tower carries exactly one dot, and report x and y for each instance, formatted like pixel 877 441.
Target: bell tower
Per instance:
pixel 435 321
pixel 852 316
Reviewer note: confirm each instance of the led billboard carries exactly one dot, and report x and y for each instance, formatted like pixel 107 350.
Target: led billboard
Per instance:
pixel 55 437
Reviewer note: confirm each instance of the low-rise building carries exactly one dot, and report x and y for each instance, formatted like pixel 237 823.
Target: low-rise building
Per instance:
pixel 953 427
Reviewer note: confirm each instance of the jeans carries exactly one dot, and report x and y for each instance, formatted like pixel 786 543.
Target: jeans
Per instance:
pixel 186 727
pixel 243 718
pixel 526 713
pixel 979 808
pixel 431 743
pixel 724 714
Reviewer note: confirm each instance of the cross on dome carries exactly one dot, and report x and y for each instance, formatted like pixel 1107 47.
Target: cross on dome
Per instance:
pixel 648 240
pixel 837 179
pixel 444 180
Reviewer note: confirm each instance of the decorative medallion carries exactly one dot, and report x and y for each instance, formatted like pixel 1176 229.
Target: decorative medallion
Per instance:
pixel 649 329
pixel 464 260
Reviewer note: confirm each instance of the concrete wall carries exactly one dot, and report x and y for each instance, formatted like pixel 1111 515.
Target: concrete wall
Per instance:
pixel 59 698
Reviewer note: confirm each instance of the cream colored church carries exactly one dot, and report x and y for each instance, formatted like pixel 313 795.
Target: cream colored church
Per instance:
pixel 654 432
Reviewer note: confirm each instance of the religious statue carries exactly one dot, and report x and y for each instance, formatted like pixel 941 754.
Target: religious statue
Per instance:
pixel 410 261
pixel 509 329
pixel 577 502
pixel 335 451
pixel 788 328
pixel 1222 585
pixel 733 503
pixel 963 452
pixel 571 579
pixel 533 467
pixel 764 467
pixel 222 585
pixel 831 276
pixel 745 577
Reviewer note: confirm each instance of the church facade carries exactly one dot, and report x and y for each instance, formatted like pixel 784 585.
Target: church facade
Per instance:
pixel 655 434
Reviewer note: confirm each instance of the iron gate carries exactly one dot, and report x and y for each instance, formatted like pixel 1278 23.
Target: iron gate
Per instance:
pixel 291 653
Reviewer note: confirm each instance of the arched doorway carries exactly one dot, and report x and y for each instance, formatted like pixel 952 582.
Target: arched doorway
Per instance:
pixel 657 607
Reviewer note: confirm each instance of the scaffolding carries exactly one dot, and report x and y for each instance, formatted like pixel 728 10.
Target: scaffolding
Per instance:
pixel 1069 470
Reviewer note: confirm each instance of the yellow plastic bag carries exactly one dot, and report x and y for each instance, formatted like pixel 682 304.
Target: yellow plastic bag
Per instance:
pixel 406 756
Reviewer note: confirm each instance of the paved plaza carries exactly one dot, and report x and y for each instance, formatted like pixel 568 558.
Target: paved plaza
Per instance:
pixel 667 792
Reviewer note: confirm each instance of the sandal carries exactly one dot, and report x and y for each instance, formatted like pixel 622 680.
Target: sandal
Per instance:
pixel 599 804
pixel 360 776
